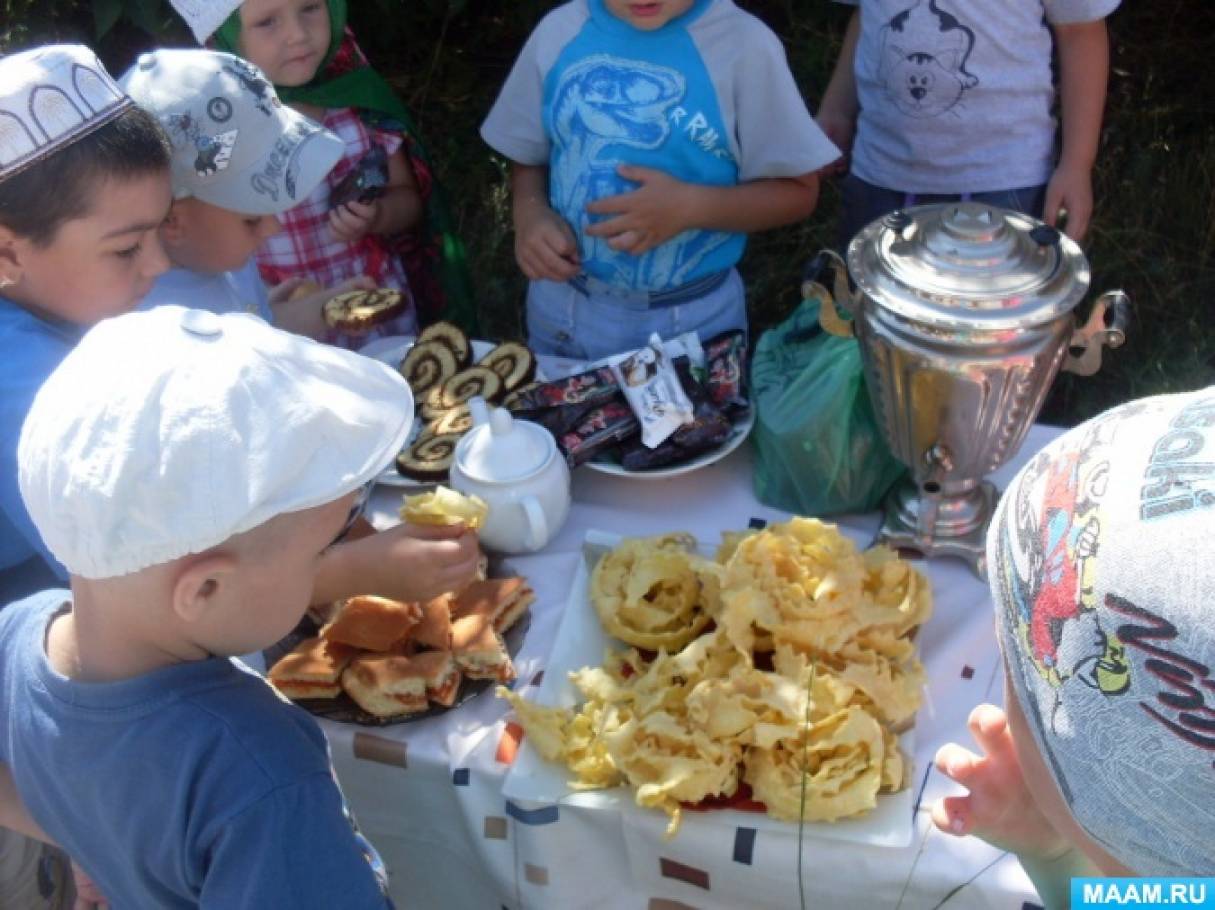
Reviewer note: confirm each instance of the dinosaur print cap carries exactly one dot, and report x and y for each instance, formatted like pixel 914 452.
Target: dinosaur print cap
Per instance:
pixel 1101 558
pixel 235 145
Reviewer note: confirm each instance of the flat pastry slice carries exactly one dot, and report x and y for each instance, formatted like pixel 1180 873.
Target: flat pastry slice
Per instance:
pixel 356 311
pixel 479 651
pixel 385 685
pixel 440 674
pixel 434 631
pixel 501 600
pixel 312 670
pixel 428 458
pixel 453 337
pixel 372 623
pixel 513 363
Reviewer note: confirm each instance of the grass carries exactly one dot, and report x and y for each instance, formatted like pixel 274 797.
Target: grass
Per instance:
pixel 1153 233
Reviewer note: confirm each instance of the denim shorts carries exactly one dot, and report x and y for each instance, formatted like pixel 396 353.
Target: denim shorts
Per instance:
pixel 599 321
pixel 863 202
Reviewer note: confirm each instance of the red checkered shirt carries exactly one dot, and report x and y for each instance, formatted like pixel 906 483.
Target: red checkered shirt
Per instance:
pixel 307 247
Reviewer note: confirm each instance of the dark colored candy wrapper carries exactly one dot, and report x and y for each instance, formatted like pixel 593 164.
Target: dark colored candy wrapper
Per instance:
pixel 366 183
pixel 709 429
pixel 726 368
pixel 592 387
pixel 600 428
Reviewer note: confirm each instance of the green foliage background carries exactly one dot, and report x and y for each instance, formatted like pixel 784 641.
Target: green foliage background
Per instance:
pixel 1154 232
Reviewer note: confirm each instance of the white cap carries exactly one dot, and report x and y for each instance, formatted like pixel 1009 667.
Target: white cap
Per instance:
pixel 235 145
pixel 49 97
pixel 166 432
pixel 204 17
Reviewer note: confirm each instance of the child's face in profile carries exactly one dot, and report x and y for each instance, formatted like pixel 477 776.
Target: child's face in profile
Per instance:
pixel 648 16
pixel 207 239
pixel 103 263
pixel 288 39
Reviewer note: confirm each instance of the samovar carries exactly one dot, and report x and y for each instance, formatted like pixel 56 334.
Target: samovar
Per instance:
pixel 964 316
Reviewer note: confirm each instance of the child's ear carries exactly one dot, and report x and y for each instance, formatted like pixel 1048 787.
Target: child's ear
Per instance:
pixel 11 257
pixel 172 229
pixel 202 584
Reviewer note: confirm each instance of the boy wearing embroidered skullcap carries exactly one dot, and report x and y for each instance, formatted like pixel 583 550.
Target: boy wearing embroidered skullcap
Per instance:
pixel 646 141
pixel 189 469
pixel 241 159
pixel 1100 564
pixel 84 186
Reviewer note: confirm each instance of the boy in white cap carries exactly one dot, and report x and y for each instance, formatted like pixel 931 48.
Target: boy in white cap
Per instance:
pixel 240 159
pixel 190 470
pixel 1103 578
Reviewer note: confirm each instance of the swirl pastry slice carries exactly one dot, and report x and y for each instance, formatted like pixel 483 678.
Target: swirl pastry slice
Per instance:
pixel 456 420
pixel 429 457
pixel 356 311
pixel 453 337
pixel 427 366
pixel 457 389
pixel 513 362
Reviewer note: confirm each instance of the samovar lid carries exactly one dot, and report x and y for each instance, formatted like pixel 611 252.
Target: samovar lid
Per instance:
pixel 965 265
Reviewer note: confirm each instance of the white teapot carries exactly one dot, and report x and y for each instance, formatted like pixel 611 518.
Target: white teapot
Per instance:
pixel 515 467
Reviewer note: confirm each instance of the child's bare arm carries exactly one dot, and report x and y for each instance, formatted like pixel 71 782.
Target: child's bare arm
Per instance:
pixel 1084 62
pixel 545 246
pixel 838 109
pixel 663 206
pixel 399 209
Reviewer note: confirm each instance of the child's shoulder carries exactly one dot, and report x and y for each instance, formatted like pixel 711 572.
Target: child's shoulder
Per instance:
pixel 730 28
pixel 561 22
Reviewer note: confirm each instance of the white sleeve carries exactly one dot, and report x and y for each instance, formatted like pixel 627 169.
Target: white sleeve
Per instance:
pixel 777 136
pixel 1069 12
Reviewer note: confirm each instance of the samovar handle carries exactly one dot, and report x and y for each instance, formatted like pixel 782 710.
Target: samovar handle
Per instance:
pixel 814 289
pixel 1106 327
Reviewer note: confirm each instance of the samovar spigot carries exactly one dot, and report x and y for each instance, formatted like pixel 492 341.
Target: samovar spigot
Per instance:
pixel 939 464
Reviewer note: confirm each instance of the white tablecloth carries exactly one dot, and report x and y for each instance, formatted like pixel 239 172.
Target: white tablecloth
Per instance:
pixel 428 793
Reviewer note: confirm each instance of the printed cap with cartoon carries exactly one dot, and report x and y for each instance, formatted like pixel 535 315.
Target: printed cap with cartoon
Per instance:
pixel 166 432
pixel 235 145
pixel 1101 558
pixel 205 16
pixel 50 97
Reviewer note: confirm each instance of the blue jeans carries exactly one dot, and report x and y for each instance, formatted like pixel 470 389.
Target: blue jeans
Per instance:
pixel 566 322
pixel 863 203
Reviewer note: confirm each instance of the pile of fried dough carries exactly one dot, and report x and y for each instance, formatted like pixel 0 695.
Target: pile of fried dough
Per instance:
pixel 786 663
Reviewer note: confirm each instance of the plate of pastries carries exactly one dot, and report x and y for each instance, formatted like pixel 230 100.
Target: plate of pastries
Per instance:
pixel 445 369
pixel 373 660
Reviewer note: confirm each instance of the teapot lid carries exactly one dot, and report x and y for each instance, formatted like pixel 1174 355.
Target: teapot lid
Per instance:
pixel 502 448
pixel 968 265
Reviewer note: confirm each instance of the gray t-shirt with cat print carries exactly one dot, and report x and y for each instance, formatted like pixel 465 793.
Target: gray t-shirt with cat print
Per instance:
pixel 955 96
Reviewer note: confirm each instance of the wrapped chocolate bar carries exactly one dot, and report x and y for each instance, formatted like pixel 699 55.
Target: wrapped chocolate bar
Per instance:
pixel 654 392
pixel 366 182
pixel 726 366
pixel 592 387
pixel 601 428
pixel 709 429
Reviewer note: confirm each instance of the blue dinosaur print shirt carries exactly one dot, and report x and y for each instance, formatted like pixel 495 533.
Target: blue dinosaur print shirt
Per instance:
pixel 707 98
pixel 956 95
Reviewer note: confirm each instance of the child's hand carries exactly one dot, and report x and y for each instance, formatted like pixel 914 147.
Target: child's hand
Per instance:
pixel 88 895
pixel 648 216
pixel 415 562
pixel 1070 188
pixel 999 808
pixel 353 221
pixel 545 247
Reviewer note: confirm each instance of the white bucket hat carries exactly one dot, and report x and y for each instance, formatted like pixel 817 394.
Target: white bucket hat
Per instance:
pixel 235 145
pixel 203 17
pixel 49 97
pixel 1101 558
pixel 166 432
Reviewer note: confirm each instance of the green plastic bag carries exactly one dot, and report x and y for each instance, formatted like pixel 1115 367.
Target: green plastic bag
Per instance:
pixel 818 448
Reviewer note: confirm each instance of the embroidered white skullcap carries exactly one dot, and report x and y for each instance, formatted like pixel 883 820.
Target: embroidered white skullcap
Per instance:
pixel 203 17
pixel 1101 558
pixel 49 97
pixel 235 145
pixel 168 431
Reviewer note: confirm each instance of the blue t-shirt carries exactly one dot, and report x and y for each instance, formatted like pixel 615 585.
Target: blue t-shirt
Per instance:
pixel 191 786
pixel 239 291
pixel 33 348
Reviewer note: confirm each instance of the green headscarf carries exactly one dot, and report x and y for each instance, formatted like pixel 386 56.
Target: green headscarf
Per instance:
pixel 366 90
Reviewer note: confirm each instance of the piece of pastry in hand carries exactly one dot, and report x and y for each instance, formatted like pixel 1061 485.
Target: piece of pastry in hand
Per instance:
pixel 501 600
pixel 305 288
pixel 372 623
pixel 386 685
pixel 313 669
pixel 358 311
pixel 444 506
pixel 434 631
pixel 479 651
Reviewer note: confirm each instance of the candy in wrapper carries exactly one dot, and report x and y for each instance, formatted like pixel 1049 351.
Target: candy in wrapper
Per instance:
pixel 366 182
pixel 654 392
pixel 591 387
pixel 601 428
pixel 726 365
pixel 708 430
